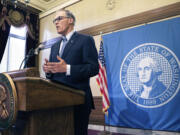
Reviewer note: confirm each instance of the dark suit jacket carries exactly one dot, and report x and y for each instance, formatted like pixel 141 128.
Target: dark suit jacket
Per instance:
pixel 80 52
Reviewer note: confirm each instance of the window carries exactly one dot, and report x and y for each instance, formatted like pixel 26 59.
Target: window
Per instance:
pixel 15 49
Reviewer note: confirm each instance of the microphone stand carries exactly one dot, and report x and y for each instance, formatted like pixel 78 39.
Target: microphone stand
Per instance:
pixel 26 59
pixel 41 46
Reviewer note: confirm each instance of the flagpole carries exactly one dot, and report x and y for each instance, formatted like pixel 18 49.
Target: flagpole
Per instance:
pixel 105 132
pixel 102 82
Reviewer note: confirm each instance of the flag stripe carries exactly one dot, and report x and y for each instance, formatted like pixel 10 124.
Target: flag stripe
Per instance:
pixel 102 80
pixel 104 75
pixel 104 89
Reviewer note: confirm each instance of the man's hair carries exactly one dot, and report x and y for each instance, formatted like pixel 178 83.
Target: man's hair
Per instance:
pixel 69 14
pixel 153 65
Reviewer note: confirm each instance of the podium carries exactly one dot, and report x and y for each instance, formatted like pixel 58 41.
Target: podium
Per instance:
pixel 49 105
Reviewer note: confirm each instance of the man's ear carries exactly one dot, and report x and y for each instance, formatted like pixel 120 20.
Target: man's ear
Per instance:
pixel 71 21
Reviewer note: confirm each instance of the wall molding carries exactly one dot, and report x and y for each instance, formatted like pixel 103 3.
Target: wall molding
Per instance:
pixel 66 4
pixel 133 20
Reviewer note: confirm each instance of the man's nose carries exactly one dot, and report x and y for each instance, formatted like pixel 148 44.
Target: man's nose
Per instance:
pixel 143 71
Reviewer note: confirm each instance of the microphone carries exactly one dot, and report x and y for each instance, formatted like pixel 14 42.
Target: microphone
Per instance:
pixel 40 47
pixel 46 44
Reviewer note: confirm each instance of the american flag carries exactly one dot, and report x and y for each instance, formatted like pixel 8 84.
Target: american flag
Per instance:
pixel 102 80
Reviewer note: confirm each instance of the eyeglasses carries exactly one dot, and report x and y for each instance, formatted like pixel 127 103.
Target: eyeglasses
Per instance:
pixel 59 18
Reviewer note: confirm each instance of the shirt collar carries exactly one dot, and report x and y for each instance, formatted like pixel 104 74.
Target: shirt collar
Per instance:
pixel 69 35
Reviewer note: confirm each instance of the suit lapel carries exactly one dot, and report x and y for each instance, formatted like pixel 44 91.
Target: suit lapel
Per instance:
pixel 69 45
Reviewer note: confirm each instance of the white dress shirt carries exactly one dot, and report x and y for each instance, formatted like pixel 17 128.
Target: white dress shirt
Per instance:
pixel 68 36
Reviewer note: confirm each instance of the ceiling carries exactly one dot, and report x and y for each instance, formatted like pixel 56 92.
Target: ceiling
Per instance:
pixel 48 6
pixel 44 5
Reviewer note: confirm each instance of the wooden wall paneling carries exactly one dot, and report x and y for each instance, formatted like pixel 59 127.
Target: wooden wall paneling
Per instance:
pixel 97 115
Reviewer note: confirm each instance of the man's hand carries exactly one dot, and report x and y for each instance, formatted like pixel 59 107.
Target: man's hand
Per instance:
pixel 45 67
pixel 55 67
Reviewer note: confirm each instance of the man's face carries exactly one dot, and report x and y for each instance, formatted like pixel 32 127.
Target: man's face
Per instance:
pixel 145 71
pixel 62 25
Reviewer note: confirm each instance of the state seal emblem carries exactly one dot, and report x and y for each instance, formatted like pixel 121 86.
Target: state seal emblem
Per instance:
pixel 8 101
pixel 149 75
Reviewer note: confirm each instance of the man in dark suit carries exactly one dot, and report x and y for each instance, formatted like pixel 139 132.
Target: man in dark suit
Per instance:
pixel 73 65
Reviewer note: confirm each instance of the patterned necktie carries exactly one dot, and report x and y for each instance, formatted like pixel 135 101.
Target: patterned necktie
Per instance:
pixel 64 40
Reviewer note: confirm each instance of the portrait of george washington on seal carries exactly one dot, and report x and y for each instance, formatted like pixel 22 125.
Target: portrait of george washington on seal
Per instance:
pixel 147 74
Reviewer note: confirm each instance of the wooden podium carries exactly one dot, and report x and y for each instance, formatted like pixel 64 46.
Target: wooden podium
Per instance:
pixel 49 105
